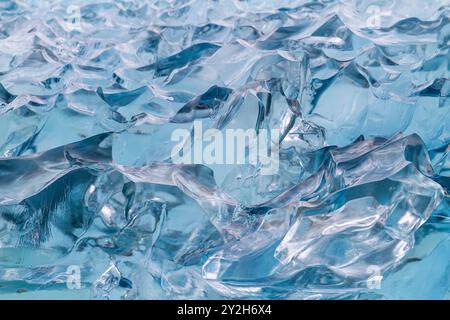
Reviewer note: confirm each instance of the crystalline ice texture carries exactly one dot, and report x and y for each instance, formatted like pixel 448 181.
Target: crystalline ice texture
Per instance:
pixel 91 93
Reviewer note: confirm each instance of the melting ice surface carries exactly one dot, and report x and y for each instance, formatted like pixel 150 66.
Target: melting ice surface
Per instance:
pixel 91 91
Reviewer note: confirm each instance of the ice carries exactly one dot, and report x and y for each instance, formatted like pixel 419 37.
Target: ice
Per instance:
pixel 91 93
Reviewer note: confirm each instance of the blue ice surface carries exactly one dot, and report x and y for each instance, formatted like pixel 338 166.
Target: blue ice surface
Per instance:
pixel 93 207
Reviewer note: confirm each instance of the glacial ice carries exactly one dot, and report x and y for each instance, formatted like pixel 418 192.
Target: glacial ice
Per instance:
pixel 91 91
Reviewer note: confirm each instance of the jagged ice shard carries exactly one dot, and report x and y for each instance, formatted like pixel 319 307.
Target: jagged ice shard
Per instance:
pixel 92 204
